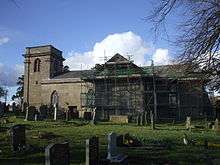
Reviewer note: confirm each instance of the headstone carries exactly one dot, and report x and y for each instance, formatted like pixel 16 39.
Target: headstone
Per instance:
pixel 43 110
pixel 185 140
pixel 113 155
pixel 120 141
pixel 18 137
pixel 94 116
pixel 216 125
pixel 30 113
pixel 87 115
pixel 92 151
pixel 55 111
pixel 188 122
pixel 112 148
pixel 57 154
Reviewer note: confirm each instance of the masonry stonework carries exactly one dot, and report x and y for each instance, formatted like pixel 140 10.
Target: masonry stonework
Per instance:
pixel 39 85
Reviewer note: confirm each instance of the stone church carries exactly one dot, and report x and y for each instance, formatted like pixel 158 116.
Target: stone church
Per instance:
pixel 117 87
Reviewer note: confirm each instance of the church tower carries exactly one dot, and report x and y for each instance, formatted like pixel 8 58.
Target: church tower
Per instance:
pixel 41 62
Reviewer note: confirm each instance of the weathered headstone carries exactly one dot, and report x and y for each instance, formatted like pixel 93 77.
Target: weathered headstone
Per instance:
pixel 216 127
pixel 112 148
pixel 57 154
pixel 18 137
pixel 188 122
pixel 92 151
pixel 113 155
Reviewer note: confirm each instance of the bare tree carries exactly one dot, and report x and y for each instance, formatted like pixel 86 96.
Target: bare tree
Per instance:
pixel 199 31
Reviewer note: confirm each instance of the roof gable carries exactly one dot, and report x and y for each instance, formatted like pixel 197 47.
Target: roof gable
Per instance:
pixel 117 58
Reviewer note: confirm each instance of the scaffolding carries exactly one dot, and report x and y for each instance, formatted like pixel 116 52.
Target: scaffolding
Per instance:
pixel 122 88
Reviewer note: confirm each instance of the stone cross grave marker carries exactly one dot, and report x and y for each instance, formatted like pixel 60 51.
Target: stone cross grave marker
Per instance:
pixel 57 154
pixel 92 151
pixel 112 146
pixel 18 137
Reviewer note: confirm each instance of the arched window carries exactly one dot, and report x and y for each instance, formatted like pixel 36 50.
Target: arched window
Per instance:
pixel 54 98
pixel 37 65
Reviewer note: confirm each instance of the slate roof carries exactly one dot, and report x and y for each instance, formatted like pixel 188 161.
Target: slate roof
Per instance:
pixel 74 74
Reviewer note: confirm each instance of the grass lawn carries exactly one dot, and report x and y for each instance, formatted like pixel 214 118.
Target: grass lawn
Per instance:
pixel 76 132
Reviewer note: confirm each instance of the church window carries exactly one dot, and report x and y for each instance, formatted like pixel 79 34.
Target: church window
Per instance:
pixel 37 65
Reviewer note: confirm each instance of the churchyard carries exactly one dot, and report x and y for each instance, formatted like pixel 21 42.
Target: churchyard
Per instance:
pixel 141 144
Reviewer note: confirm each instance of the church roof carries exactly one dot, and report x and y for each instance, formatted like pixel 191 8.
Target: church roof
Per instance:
pixel 107 69
pixel 74 74
pixel 117 58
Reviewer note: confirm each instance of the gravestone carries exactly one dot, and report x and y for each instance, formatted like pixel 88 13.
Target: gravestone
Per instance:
pixel 188 122
pixel 87 115
pixel 55 111
pixel 112 148
pixel 43 111
pixel 18 137
pixel 30 114
pixel 92 151
pixel 113 155
pixel 57 154
pixel 216 127
pixel 93 116
pixel 120 141
pixel 185 140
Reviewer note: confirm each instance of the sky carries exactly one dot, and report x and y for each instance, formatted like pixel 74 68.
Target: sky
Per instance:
pixel 85 30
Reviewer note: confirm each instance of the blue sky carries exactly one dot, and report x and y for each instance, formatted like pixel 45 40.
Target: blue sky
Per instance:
pixel 82 29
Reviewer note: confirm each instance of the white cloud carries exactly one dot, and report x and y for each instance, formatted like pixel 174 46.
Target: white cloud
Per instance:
pixel 3 40
pixel 126 43
pixel 9 75
pixel 161 57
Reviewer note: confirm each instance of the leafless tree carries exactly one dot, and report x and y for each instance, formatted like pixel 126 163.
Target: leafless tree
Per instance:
pixel 199 31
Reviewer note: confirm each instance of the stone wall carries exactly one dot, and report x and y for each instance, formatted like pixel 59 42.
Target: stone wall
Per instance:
pixel 69 91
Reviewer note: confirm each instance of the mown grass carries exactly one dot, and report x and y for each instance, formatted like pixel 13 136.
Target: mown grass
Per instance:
pixel 76 132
